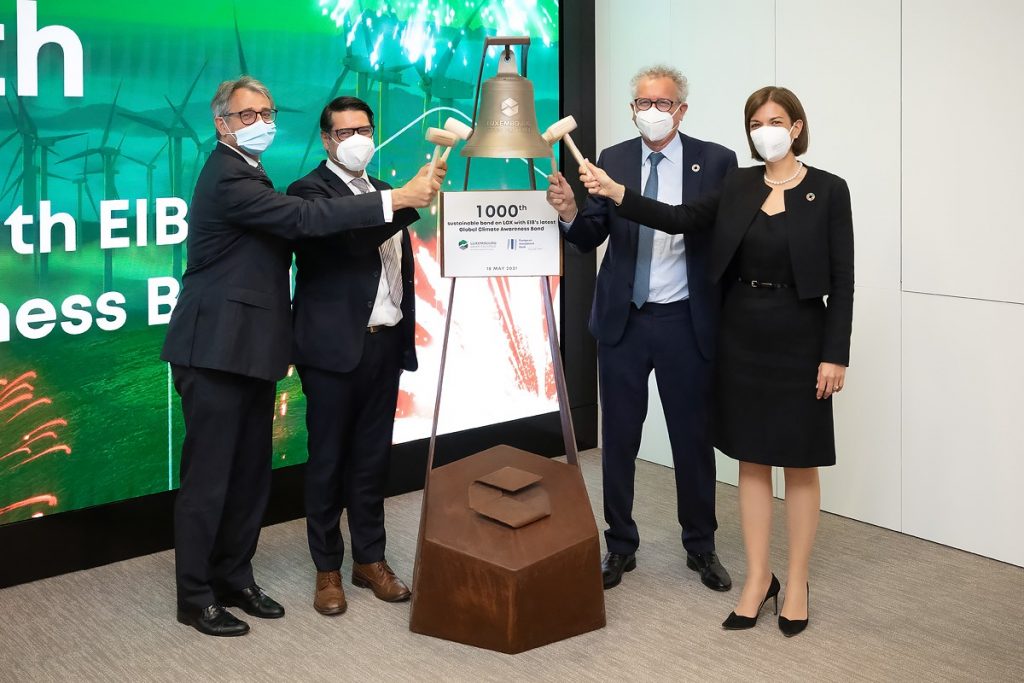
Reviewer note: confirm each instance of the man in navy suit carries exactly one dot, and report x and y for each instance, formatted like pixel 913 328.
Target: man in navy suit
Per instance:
pixel 354 330
pixel 654 309
pixel 229 341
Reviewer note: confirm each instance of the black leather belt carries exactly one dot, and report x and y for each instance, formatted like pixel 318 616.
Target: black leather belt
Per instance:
pixel 374 329
pixel 760 284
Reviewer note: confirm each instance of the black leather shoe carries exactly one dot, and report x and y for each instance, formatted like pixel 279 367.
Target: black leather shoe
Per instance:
pixel 613 566
pixel 213 620
pixel 712 573
pixel 253 601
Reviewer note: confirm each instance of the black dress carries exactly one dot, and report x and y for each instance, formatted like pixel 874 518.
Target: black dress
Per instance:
pixel 769 348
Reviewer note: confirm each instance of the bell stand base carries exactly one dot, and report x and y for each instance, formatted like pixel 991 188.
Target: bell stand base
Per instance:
pixel 478 583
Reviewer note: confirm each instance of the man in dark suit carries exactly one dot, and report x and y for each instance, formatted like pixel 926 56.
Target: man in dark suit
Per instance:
pixel 354 324
pixel 654 309
pixel 229 341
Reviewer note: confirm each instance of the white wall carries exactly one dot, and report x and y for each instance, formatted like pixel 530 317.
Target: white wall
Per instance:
pixel 917 105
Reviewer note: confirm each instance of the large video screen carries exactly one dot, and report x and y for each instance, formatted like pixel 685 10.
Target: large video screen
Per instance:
pixel 105 126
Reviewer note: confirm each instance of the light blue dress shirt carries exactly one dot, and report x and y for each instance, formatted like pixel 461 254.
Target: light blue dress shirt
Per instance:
pixel 668 258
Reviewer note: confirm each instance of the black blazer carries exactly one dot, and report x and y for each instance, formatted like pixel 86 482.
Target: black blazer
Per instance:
pixel 336 283
pixel 598 221
pixel 233 313
pixel 820 225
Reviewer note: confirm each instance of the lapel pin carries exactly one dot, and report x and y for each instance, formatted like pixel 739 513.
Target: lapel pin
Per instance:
pixel 695 168
pixel 810 196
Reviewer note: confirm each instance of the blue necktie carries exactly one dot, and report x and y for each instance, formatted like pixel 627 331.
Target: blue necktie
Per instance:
pixel 645 240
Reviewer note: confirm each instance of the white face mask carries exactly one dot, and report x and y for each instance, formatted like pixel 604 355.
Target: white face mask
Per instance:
pixel 655 125
pixel 256 137
pixel 772 142
pixel 355 152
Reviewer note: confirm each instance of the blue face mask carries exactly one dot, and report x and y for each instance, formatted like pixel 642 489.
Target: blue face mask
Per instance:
pixel 255 138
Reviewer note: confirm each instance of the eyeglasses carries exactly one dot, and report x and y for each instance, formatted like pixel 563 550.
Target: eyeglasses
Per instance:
pixel 248 116
pixel 643 104
pixel 342 134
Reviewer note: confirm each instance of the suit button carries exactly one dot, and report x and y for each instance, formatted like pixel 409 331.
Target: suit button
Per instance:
pixel 376 275
pixel 369 304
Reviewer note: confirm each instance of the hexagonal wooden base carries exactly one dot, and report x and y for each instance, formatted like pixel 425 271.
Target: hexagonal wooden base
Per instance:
pixel 485 584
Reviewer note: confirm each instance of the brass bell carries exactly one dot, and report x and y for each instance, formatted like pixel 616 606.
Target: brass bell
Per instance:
pixel 506 126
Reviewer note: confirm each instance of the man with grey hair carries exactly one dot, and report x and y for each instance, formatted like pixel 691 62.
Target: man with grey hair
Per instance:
pixel 655 308
pixel 229 341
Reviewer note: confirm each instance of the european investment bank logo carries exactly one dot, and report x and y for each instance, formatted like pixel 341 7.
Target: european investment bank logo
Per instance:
pixel 512 243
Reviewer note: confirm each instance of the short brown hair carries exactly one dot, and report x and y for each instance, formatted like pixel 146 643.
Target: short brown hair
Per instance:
pixel 785 98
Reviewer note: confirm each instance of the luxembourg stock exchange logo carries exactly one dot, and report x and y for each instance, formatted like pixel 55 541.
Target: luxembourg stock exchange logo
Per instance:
pixel 463 244
pixel 512 243
pixel 509 107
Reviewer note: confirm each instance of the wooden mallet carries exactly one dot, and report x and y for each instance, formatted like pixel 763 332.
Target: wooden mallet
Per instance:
pixel 559 130
pixel 440 138
pixel 461 130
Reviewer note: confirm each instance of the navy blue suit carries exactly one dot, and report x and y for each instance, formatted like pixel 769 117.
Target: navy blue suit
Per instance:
pixel 228 342
pixel 349 376
pixel 676 339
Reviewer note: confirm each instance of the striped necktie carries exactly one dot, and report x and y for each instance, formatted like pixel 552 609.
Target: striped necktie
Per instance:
pixel 388 255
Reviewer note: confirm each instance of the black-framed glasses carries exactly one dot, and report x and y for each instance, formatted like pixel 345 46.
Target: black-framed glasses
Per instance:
pixel 643 104
pixel 342 134
pixel 248 116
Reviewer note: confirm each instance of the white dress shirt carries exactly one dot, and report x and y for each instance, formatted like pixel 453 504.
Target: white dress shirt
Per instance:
pixel 384 310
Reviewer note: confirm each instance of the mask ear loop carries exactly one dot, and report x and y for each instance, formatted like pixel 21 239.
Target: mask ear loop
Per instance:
pixel 230 132
pixel 332 154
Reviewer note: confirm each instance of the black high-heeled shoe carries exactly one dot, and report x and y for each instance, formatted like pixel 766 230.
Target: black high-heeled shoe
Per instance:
pixel 738 622
pixel 791 627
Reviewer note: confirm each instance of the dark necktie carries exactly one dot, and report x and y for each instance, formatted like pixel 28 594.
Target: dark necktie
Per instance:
pixel 388 255
pixel 645 240
pixel 259 167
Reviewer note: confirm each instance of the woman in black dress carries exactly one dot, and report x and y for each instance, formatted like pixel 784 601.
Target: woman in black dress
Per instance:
pixel 782 241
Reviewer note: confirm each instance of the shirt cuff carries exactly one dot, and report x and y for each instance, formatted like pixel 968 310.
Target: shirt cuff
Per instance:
pixel 385 201
pixel 565 227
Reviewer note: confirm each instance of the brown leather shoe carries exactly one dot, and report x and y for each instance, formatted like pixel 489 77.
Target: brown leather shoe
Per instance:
pixel 330 596
pixel 380 577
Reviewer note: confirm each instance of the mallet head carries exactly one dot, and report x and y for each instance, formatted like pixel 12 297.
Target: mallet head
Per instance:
pixel 453 125
pixel 439 136
pixel 559 129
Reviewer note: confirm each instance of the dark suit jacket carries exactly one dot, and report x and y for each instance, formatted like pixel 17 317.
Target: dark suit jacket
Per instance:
pixel 336 283
pixel 820 226
pixel 233 313
pixel 598 221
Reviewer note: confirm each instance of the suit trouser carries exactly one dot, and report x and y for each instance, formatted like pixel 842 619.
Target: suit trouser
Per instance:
pixel 350 418
pixel 657 337
pixel 225 480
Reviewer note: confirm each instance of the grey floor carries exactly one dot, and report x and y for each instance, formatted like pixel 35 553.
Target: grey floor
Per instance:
pixel 883 607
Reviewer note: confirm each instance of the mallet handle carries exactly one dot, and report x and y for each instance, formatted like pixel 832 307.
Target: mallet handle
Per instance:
pixel 433 160
pixel 567 139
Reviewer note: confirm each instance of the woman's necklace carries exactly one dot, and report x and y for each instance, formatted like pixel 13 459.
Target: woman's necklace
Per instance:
pixel 800 167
